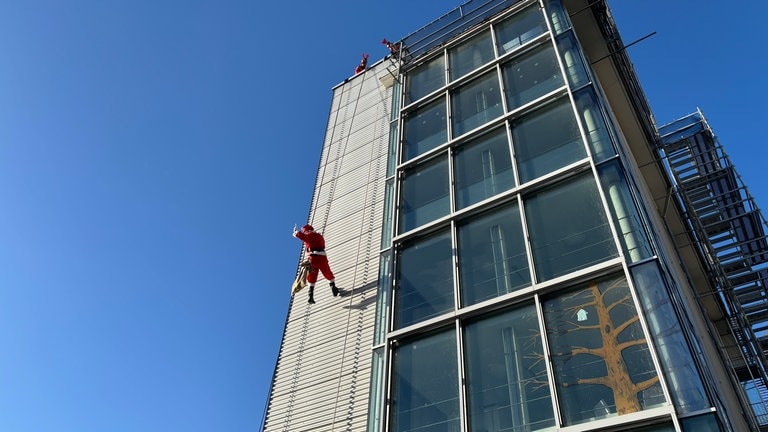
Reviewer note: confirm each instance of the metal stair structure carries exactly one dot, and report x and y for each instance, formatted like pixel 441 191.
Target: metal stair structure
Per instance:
pixel 731 234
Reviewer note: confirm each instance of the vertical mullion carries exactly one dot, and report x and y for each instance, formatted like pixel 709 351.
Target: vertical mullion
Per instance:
pixel 547 362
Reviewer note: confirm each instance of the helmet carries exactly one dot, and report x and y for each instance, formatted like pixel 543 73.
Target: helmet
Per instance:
pixel 307 228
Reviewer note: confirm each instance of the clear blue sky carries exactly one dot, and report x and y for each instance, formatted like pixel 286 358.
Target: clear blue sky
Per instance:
pixel 155 155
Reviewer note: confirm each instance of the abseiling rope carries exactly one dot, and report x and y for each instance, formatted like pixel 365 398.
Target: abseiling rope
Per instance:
pixel 365 245
pixel 340 150
pixel 332 185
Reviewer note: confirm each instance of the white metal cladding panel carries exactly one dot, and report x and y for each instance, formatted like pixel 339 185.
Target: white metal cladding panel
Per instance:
pixel 338 134
pixel 367 230
pixel 322 200
pixel 357 179
pixel 360 94
pixel 345 258
pixel 322 374
pixel 353 157
pixel 348 408
pixel 360 141
pixel 341 120
pixel 353 210
pixel 351 237
pixel 335 363
pixel 350 200
pixel 366 118
pixel 370 112
pixel 366 144
pixel 336 336
pixel 325 397
pixel 334 312
pixel 374 94
pixel 370 126
pixel 363 156
pixel 361 137
pixel 347 229
pixel 347 268
pixel 350 204
pixel 347 96
pixel 332 367
pixel 375 199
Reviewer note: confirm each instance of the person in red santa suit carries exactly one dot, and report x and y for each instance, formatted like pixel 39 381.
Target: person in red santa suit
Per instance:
pixel 394 48
pixel 315 245
pixel 363 64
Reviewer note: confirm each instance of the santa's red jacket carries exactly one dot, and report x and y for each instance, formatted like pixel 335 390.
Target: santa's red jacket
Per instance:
pixel 314 242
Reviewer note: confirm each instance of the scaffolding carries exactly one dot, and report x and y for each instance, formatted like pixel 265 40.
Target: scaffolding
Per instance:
pixel 730 232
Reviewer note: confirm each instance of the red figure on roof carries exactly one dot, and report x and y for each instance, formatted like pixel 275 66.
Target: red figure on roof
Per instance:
pixel 393 47
pixel 363 64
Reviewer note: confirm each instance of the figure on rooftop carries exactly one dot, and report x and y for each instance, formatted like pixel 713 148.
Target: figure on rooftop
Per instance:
pixel 363 64
pixel 394 48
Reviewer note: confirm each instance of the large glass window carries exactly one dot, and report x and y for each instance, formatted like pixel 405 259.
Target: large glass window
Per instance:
pixel 425 129
pixel 476 103
pixel 507 386
pixel 483 168
pixel 394 139
pixel 658 428
pixel 382 297
pixel 531 76
pixel 519 29
pixel 633 238
pixel 424 286
pixel 703 423
pixel 598 138
pixel 599 353
pixel 683 379
pixel 425 79
pixel 425 385
pixel 547 139
pixel 574 66
pixel 388 218
pixel 376 391
pixel 492 257
pixel 557 15
pixel 568 228
pixel 470 55
pixel 424 194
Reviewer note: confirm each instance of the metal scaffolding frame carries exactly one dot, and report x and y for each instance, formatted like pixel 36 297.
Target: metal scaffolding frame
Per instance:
pixel 730 232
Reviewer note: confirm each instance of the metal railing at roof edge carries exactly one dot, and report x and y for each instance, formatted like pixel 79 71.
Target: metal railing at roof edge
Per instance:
pixel 451 24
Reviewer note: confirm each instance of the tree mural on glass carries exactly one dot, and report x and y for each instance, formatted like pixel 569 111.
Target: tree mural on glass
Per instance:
pixel 599 353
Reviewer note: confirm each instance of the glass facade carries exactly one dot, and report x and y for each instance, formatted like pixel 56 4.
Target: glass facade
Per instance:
pixel 475 103
pixel 568 228
pixel 424 279
pixel 506 384
pixel 599 352
pixel 493 258
pixel 425 385
pixel 517 250
pixel 483 168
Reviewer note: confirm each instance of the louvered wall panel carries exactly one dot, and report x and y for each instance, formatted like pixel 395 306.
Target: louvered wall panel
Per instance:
pixel 350 202
pixel 361 156
pixel 321 379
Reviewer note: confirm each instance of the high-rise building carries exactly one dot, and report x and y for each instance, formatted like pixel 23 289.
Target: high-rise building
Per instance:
pixel 521 247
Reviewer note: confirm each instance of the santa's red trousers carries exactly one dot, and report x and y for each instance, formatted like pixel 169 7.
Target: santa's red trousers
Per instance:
pixel 319 262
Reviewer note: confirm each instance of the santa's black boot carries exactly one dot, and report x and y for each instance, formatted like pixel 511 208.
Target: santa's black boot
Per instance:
pixel 311 295
pixel 334 289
